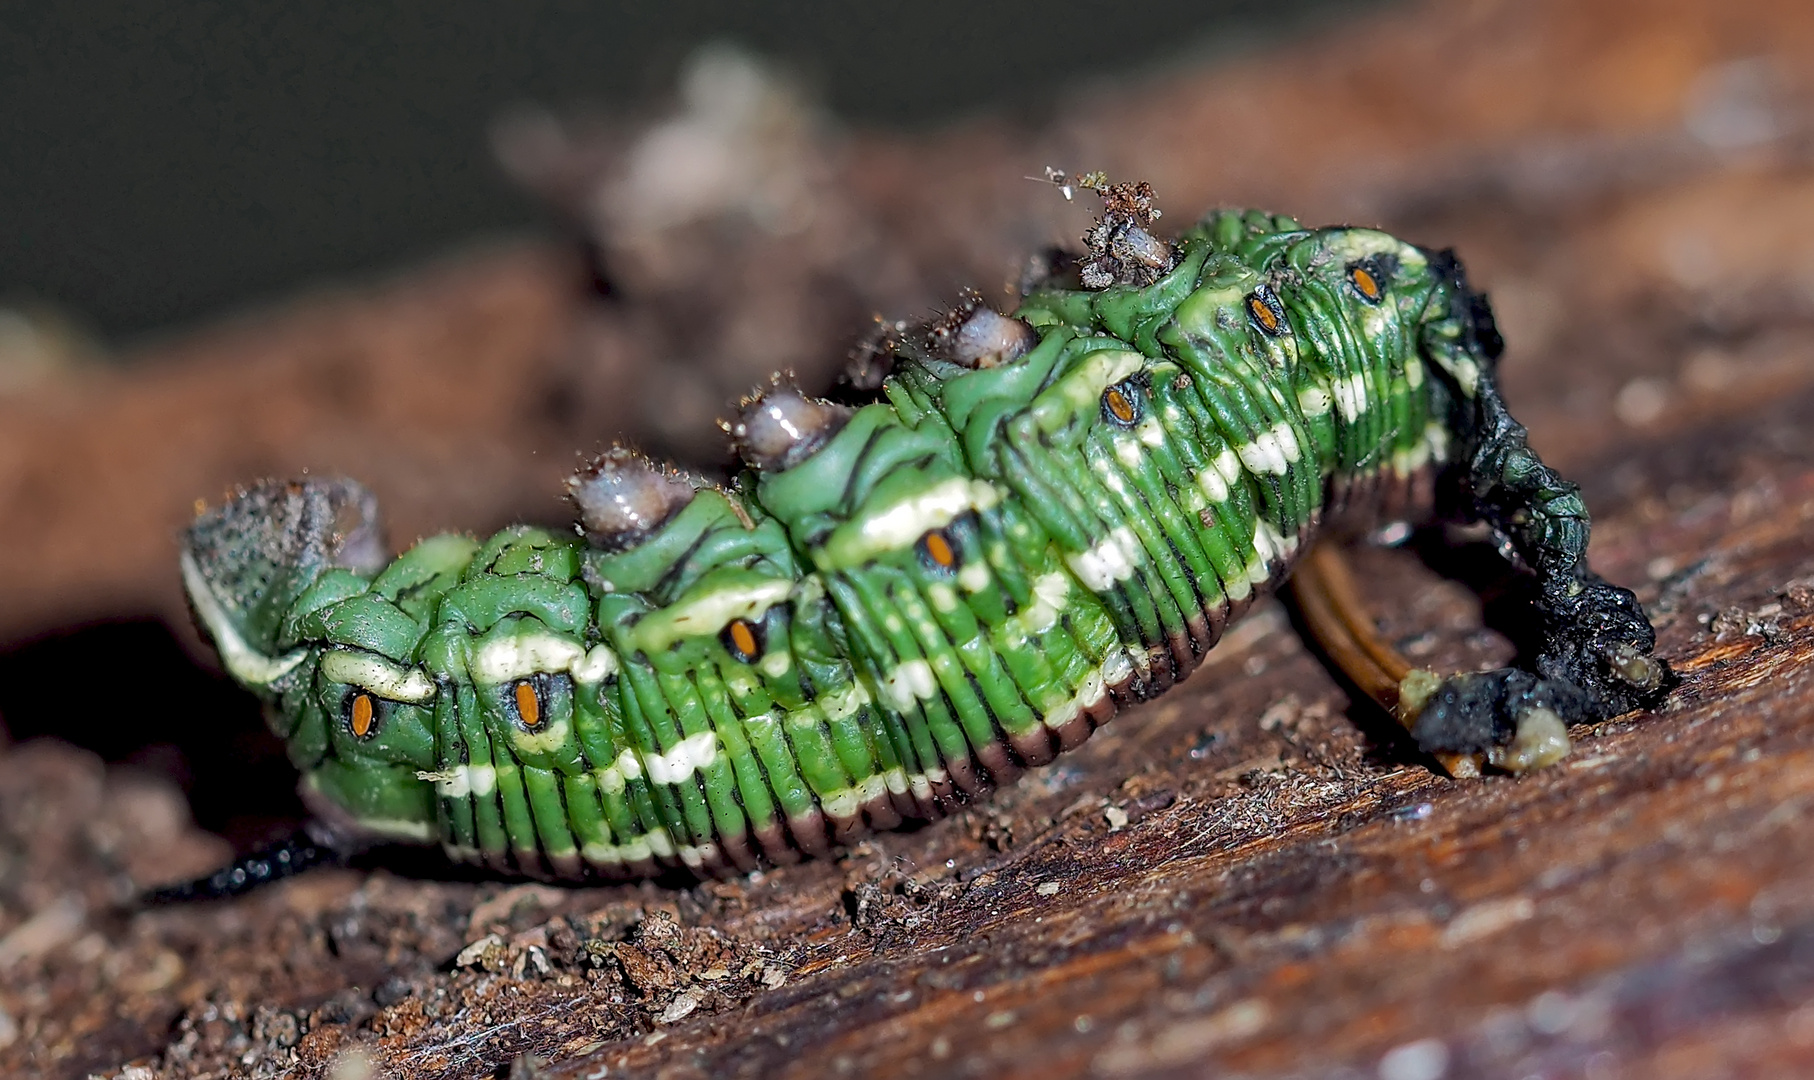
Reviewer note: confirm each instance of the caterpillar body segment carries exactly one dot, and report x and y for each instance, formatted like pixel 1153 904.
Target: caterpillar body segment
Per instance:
pixel 1038 519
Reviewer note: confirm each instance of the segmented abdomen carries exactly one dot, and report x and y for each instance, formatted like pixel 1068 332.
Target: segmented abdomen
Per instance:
pixel 954 582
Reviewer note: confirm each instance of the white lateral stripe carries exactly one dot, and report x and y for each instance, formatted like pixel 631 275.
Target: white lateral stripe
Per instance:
pixel 543 740
pixel 695 856
pixel 841 803
pixel 845 802
pixel 1259 572
pixel 691 754
pixel 609 779
pixel 246 664
pixel 908 683
pixel 1406 462
pixel 1268 543
pixel 518 656
pixel 1050 593
pixel 1129 452
pixel 1222 472
pixel 1052 589
pixel 1228 465
pixel 463 780
pixel 1463 368
pixel 936 507
pixel 1350 396
pixel 1438 438
pixel 1214 487
pixel 1115 668
pixel 638 848
pixel 599 664
pixel 414 832
pixel 1111 560
pixel 1098 371
pixel 838 704
pixel 1288 442
pixel 713 611
pixel 1271 451
pixel 380 676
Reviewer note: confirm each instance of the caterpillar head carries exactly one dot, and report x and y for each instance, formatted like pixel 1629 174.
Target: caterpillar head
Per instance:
pixel 246 562
pixel 353 717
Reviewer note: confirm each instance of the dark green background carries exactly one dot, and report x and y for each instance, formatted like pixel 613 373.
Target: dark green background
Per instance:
pixel 162 162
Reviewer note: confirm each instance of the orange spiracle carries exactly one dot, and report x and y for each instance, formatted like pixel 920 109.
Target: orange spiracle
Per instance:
pixel 528 705
pixel 742 639
pixel 359 721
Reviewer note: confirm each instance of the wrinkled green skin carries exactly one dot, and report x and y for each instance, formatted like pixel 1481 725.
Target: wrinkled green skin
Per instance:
pixel 1097 561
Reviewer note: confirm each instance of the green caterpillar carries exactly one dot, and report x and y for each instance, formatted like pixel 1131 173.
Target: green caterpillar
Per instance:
pixel 1036 520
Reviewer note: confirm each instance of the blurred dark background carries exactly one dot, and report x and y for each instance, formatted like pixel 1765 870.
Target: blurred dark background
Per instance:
pixel 162 163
